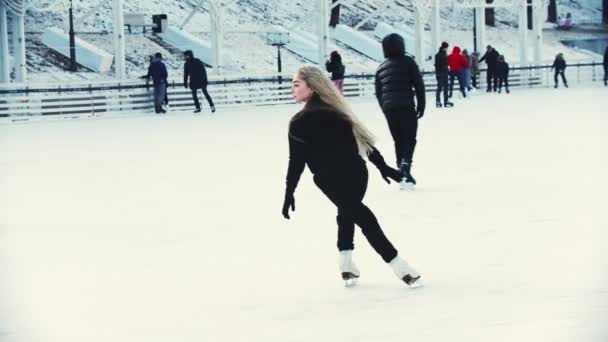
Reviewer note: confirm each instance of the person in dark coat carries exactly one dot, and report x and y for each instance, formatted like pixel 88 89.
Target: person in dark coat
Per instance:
pixel 442 70
pixel 491 58
pixel 337 69
pixel 328 137
pixel 158 73
pixel 398 80
pixel 147 78
pixel 606 66
pixel 457 64
pixel 502 71
pixel 559 64
pixel 195 70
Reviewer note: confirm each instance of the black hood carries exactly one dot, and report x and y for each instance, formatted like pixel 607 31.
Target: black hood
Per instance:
pixel 393 45
pixel 189 53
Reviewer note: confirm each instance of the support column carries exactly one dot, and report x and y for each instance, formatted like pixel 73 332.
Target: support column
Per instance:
pixel 523 33
pixel 119 40
pixel 216 13
pixel 5 74
pixel 419 25
pixel 480 22
pixel 19 61
pixel 436 25
pixel 323 30
pixel 538 15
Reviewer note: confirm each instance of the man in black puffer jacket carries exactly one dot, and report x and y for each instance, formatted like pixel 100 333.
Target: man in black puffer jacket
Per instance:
pixel 398 80
pixel 195 70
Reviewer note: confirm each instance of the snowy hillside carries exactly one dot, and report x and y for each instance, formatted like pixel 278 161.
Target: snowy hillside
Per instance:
pixel 245 49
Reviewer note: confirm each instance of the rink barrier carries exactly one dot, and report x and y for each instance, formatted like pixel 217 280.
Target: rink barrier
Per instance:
pixel 132 97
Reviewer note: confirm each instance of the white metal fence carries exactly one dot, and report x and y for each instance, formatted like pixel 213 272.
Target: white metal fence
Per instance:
pixel 131 97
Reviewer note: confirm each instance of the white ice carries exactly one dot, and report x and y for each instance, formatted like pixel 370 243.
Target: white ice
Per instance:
pixel 168 228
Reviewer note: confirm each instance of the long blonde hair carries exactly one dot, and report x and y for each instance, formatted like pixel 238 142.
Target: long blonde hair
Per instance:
pixel 319 82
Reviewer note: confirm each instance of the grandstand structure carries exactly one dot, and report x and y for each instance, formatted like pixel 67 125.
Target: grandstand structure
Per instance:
pixel 318 42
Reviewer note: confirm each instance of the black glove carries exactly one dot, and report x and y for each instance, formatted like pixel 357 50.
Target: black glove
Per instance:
pixel 186 85
pixel 420 111
pixel 388 172
pixel 289 201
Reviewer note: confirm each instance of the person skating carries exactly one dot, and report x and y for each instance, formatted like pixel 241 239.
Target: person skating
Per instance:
pixel 467 70
pixel 328 137
pixel 149 75
pixel 442 70
pixel 502 71
pixel 491 58
pixel 559 64
pixel 398 80
pixel 337 69
pixel 195 70
pixel 158 73
pixel 457 64
pixel 606 66
pixel 474 68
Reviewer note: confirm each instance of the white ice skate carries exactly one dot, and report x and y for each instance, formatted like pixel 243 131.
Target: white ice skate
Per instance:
pixel 406 272
pixel 348 269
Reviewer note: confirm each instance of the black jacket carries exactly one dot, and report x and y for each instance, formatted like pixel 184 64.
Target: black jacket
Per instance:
pixel 335 66
pixel 606 59
pixel 195 69
pixel 491 58
pixel 559 65
pixel 158 71
pixel 441 62
pixel 502 70
pixel 398 78
pixel 321 139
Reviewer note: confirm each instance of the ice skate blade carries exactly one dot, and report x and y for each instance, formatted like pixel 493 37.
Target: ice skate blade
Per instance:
pixel 407 186
pixel 351 282
pixel 350 279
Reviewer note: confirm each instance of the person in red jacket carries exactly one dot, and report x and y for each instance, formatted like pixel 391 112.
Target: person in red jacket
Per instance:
pixel 457 63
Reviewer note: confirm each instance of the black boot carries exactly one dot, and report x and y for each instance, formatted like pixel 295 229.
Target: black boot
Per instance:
pixel 448 104
pixel 405 172
pixel 438 104
pixel 197 110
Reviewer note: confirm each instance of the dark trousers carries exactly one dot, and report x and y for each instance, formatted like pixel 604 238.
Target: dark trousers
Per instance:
pixel 458 74
pixel 403 124
pixel 195 97
pixel 504 80
pixel 560 72
pixel 160 89
pixel 346 191
pixel 605 75
pixel 474 80
pixel 491 79
pixel 442 86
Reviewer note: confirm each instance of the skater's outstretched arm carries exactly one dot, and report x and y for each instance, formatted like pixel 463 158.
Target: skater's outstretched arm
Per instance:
pixel 294 171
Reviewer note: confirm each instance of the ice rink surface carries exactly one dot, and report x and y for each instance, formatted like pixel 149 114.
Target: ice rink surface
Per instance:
pixel 168 228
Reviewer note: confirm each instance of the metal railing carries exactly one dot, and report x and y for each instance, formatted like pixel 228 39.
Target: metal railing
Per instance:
pixel 25 102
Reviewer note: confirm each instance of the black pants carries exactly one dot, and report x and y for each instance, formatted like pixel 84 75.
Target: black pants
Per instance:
pixel 195 97
pixel 474 79
pixel 346 191
pixel 560 72
pixel 403 124
pixel 605 75
pixel 504 80
pixel 458 74
pixel 442 85
pixel 491 79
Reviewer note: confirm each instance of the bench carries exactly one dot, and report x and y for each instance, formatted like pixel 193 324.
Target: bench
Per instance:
pixel 137 20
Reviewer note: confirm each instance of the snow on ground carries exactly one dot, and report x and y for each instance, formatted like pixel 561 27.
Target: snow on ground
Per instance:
pixel 157 228
pixel 245 50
